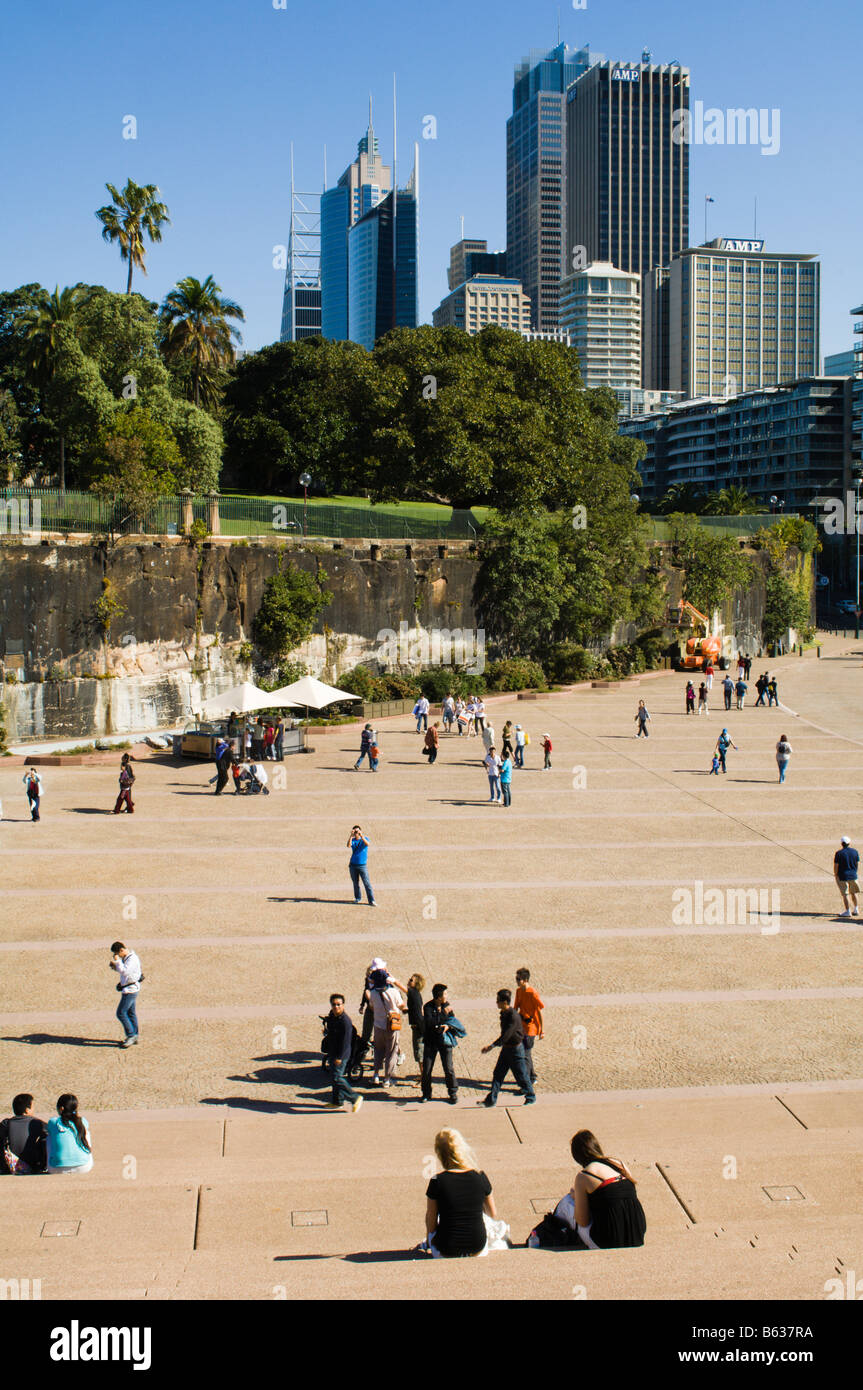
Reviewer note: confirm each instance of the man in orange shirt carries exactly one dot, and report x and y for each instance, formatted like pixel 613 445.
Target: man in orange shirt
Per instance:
pixel 530 1006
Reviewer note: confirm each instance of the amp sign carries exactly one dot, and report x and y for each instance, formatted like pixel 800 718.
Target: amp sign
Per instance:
pixel 746 247
pixel 624 74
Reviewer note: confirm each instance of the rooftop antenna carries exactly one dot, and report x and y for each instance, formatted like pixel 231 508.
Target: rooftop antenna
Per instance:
pixel 755 220
pixel 558 24
pixel 325 168
pixel 462 226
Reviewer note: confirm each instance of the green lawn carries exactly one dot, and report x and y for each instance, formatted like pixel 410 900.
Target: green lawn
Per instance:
pixel 418 511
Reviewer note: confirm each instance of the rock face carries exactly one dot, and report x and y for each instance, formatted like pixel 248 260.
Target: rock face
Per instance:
pixel 181 615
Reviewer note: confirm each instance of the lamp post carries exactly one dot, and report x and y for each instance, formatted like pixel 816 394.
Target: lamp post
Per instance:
pixel 773 501
pixel 305 480
pixel 858 480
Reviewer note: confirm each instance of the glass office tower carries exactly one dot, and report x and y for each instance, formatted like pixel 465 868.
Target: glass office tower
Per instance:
pixel 360 189
pixel 383 285
pixel 535 171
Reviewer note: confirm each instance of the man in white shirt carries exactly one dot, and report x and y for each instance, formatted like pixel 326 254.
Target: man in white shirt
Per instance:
pixel 492 767
pixel 421 710
pixel 128 966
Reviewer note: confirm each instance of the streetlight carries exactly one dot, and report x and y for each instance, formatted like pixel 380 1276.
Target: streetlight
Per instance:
pixel 773 501
pixel 305 483
pixel 858 480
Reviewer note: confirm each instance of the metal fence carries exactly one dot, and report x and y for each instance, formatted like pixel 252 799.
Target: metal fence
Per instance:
pixel 29 510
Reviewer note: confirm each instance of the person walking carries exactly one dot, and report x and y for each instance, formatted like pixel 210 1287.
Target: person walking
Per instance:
pixel 279 744
pixel 845 864
pixel 421 713
pixel 773 691
pixel 546 749
pixel 690 698
pixel 222 753
pixel 740 689
pixel 416 985
pixel 723 743
pixel 358 844
pixel 388 1005
pixel 340 1042
pixel 783 753
pixel 23 1139
pixel 431 743
pixel 761 687
pixel 506 780
pixel 702 700
pixel 479 714
pixel 367 738
pixel 520 745
pixel 512 1056
pixel 747 667
pixel 642 719
pixel 128 967
pixel 530 1007
pixel 741 666
pixel 492 767
pixel 32 780
pixel 728 691
pixel 69 1148
pixel 448 713
pixel 441 1031
pixel 709 671
pixel 488 737
pixel 127 779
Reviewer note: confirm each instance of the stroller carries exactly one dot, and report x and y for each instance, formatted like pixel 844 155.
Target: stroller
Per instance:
pixel 251 780
pixel 359 1051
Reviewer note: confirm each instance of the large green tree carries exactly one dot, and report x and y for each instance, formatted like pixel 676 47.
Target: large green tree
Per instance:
pixel 46 325
pixel 134 214
pixel 712 565
pixel 195 333
pixel 294 408
pixel 289 608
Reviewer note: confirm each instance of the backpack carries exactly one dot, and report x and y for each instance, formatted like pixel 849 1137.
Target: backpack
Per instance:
pixel 552 1233
pixel 394 1021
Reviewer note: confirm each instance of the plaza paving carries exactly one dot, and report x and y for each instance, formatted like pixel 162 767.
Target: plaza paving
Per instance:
pixel 684 1043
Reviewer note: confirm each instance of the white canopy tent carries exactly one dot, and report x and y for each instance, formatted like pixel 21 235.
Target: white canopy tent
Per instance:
pixel 312 693
pixel 242 699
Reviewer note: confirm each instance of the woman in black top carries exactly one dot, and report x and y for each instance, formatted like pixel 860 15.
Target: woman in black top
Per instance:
pixel 457 1200
pixel 416 984
pixel 607 1210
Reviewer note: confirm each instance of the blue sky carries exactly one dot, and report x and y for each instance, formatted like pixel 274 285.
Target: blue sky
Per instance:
pixel 220 88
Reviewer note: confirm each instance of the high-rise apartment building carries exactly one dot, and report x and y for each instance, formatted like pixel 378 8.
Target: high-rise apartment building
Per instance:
pixel 741 319
pixel 361 187
pixel 600 307
pixel 482 300
pixel 383 282
pixel 535 171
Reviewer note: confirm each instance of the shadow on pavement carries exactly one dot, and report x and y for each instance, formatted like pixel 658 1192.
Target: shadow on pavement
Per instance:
pixel 37 1039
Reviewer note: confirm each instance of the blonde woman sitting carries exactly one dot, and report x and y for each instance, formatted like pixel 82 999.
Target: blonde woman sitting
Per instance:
pixel 461 1218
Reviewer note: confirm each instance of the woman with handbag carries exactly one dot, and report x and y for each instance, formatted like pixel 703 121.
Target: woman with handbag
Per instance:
pixel 388 1005
pixel 127 778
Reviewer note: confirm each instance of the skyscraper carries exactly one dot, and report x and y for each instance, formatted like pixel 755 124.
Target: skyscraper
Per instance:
pixel 301 301
pixel 383 285
pixel 535 171
pixel 469 258
pixel 627 180
pixel 482 300
pixel 361 187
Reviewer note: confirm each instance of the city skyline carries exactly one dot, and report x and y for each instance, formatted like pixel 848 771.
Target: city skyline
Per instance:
pixel 220 156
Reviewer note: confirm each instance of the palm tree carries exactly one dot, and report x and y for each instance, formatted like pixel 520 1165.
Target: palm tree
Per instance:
pixel 195 328
pixel 41 324
pixel 133 213
pixel 733 501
